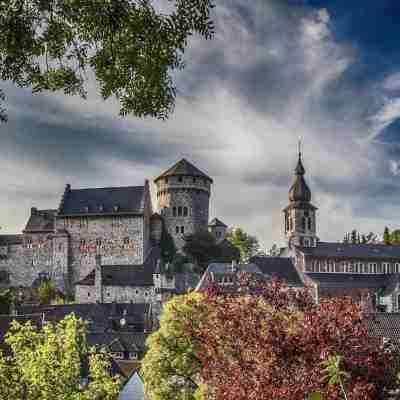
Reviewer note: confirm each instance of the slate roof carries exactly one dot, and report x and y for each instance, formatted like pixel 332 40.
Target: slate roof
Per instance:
pixel 282 268
pixel 41 221
pixel 385 325
pixel 183 168
pixel 344 250
pixel 6 240
pixel 356 281
pixel 100 316
pixel 217 222
pixel 225 269
pixel 119 341
pixel 126 275
pixel 99 201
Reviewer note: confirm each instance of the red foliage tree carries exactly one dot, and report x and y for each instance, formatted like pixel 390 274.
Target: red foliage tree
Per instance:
pixel 266 341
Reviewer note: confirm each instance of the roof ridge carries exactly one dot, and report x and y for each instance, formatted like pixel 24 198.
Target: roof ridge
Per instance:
pixel 107 187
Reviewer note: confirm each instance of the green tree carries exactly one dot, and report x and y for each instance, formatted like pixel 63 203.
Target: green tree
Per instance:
pixel 170 366
pixel 6 300
pixel 202 248
pixel 48 364
pixel 167 245
pixel 386 236
pixel 247 244
pixel 47 292
pixel 131 47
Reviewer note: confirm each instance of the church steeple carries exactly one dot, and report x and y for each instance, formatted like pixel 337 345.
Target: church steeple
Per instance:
pixel 299 192
pixel 300 214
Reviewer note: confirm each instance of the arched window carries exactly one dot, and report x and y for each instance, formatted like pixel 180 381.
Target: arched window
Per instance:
pixel 179 211
pixel 185 211
pixel 174 211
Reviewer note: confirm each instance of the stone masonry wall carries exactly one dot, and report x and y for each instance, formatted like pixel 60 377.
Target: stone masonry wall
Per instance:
pixel 192 193
pixel 119 240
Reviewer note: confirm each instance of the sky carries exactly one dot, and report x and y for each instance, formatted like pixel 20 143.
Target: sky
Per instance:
pixel 277 70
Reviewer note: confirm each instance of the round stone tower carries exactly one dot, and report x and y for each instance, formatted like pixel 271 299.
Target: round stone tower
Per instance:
pixel 183 199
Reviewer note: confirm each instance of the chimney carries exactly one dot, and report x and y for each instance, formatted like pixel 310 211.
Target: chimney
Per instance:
pixel 98 284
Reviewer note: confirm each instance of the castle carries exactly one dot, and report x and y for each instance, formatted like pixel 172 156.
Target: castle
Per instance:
pixel 102 244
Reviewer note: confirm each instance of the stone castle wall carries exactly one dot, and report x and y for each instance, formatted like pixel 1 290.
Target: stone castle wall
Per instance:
pixel 118 239
pixel 183 202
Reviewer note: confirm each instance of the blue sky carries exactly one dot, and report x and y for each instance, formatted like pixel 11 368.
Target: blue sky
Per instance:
pixel 326 71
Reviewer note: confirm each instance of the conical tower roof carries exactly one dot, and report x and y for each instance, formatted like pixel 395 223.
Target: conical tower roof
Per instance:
pixel 300 192
pixel 183 168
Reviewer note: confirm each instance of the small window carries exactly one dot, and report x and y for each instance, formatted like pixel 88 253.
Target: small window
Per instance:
pixel 108 294
pixel 146 294
pixel 126 240
pixel 194 180
pixel 83 242
pixel 133 356
pixel 166 180
pixel 174 211
pixel 309 224
pixel 98 242
pixel 88 295
pixel 180 179
pixel 182 229
pixel 60 247
pixel 303 224
pixel 177 229
pixel 179 211
pixel 185 211
pixel 136 291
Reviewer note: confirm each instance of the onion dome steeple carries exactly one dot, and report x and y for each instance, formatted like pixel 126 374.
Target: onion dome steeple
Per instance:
pixel 300 192
pixel 300 214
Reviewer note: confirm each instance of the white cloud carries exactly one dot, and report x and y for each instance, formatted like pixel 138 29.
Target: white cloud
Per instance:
pixel 392 82
pixel 250 151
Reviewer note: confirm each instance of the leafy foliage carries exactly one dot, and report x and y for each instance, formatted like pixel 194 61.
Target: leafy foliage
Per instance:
pixel 391 238
pixel 47 292
pixel 167 245
pixel 247 244
pixel 170 366
pixel 268 342
pixel 132 48
pixel 7 298
pixel 47 364
pixel 202 248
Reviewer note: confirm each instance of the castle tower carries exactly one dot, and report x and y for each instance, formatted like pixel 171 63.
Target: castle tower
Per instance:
pixel 183 199
pixel 300 214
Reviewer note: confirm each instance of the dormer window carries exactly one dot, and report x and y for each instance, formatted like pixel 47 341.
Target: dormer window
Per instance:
pixel 133 356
